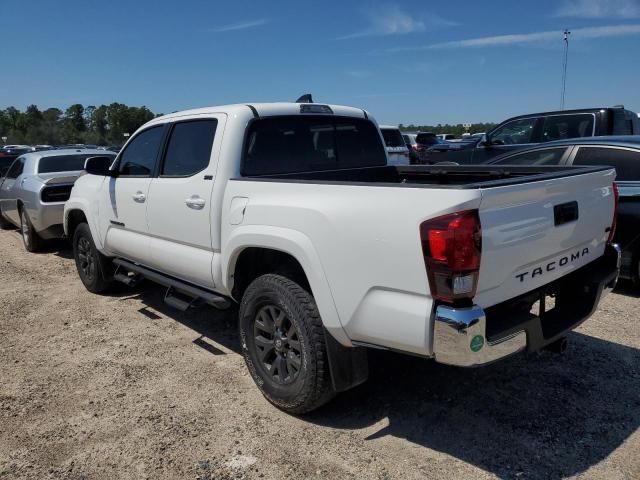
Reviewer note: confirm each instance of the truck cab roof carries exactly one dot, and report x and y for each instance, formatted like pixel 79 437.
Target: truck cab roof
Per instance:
pixel 268 110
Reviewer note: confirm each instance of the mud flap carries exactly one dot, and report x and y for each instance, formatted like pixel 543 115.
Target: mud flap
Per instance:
pixel 349 366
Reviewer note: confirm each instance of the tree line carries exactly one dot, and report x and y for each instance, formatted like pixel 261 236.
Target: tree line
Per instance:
pixel 103 125
pixel 107 124
pixel 457 130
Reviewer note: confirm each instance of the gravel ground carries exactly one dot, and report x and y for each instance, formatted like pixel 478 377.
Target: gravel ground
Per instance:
pixel 122 386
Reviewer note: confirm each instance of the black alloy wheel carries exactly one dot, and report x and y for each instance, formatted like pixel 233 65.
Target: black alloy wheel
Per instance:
pixel 278 344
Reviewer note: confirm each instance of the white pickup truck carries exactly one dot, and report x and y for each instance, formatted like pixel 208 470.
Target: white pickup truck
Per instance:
pixel 292 211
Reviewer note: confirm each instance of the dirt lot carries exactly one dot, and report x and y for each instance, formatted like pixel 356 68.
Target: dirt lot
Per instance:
pixel 121 386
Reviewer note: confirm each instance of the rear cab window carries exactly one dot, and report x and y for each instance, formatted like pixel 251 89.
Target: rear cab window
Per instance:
pixel 292 144
pixel 392 137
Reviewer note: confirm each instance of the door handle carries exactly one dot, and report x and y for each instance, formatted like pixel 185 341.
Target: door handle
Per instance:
pixel 195 202
pixel 139 197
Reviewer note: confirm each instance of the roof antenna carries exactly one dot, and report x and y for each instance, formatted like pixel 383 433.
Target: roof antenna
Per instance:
pixel 306 98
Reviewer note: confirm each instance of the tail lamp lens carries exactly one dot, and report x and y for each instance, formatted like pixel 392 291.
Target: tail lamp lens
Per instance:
pixel 452 246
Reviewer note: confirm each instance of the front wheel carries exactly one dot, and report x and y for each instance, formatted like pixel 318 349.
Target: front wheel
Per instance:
pixel 91 264
pixel 4 223
pixel 32 241
pixel 283 344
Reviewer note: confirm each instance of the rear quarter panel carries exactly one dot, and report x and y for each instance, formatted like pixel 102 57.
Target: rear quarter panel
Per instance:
pixel 367 242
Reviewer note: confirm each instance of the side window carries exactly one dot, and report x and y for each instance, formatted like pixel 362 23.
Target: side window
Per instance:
pixel 547 156
pixel 626 162
pixel 559 127
pixel 189 148
pixel 16 169
pixel 139 158
pixel 514 133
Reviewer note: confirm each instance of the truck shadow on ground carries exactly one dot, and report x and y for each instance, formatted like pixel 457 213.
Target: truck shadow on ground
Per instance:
pixel 537 416
pixel 541 416
pixel 628 288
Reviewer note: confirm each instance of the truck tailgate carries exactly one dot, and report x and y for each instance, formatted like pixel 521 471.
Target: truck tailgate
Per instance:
pixel 531 236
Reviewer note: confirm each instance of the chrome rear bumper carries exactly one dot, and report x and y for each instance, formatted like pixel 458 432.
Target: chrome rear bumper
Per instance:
pixel 460 334
pixel 459 338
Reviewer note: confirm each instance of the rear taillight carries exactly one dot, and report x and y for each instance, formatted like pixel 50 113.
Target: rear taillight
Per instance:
pixel 616 201
pixel 452 245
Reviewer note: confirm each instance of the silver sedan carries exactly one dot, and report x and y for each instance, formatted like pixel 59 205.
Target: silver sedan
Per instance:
pixel 34 190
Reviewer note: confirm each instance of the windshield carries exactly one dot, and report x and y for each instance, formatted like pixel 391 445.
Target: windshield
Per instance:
pixel 392 137
pixel 64 163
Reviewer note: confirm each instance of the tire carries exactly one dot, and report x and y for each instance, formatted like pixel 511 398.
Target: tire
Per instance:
pixel 32 241
pixel 283 344
pixel 4 223
pixel 93 267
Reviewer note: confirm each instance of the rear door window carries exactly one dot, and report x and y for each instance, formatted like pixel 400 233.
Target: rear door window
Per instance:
pixel 560 127
pixel 139 157
pixel 547 156
pixel 311 143
pixel 189 148
pixel 626 162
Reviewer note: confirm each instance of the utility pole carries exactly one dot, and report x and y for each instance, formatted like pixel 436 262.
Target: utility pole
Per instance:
pixel 564 67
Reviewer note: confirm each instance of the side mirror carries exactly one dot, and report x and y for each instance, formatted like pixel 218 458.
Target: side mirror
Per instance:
pixel 99 166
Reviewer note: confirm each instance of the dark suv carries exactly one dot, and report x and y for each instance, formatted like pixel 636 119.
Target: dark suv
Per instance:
pixel 529 130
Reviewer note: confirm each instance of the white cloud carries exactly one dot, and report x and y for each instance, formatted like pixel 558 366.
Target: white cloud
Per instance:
pixel 391 20
pixel 528 38
pixel 599 9
pixel 240 25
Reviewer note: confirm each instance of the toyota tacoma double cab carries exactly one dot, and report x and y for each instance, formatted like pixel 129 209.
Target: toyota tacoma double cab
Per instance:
pixel 291 211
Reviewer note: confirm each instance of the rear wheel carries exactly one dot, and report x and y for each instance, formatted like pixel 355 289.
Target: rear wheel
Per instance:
pixel 283 344
pixel 32 241
pixel 92 266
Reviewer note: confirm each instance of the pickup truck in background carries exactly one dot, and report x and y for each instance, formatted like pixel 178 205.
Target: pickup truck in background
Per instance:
pixel 291 211
pixel 529 130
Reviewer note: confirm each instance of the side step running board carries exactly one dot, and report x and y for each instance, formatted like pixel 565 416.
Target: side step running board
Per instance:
pixel 172 284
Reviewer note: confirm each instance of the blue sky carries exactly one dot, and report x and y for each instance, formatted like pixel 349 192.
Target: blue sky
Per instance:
pixel 407 61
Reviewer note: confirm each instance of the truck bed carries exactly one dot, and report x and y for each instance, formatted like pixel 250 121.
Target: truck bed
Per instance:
pixel 440 176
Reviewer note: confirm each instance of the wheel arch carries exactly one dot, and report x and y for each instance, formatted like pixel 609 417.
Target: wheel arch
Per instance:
pixel 289 251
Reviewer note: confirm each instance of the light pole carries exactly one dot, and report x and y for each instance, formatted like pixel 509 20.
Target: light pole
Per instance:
pixel 564 68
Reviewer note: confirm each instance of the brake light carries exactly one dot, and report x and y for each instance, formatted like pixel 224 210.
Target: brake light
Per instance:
pixel 452 246
pixel 616 202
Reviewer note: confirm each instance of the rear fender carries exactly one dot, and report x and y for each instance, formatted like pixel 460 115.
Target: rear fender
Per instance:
pixel 298 246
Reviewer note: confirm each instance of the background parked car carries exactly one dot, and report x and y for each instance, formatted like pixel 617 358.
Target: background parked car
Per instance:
pixel 424 142
pixel 397 151
pixel 528 130
pixel 412 145
pixel 9 153
pixel 34 190
pixel 623 153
